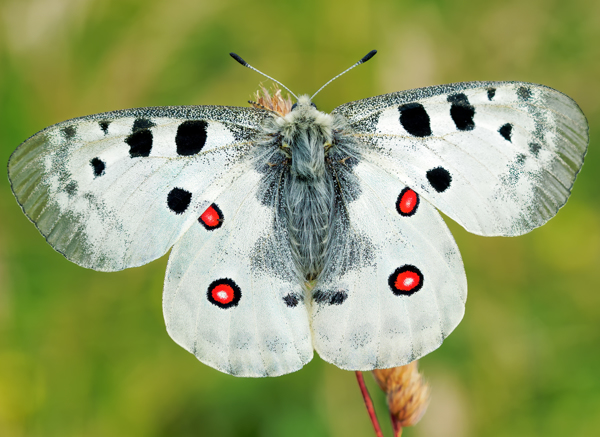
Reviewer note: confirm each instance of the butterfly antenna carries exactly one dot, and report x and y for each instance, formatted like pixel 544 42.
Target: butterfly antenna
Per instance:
pixel 364 59
pixel 245 64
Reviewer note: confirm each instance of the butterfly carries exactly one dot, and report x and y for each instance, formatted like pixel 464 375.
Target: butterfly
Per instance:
pixel 294 230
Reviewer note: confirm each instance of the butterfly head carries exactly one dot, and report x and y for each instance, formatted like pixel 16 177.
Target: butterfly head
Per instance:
pixel 304 112
pixel 303 102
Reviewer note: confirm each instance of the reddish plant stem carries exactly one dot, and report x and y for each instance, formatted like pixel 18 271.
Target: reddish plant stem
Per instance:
pixel 396 426
pixel 368 403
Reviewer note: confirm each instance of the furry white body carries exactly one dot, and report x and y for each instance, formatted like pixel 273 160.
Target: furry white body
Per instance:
pixel 305 134
pixel 256 204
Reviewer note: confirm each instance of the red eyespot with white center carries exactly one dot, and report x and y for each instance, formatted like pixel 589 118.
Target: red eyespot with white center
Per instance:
pixel 406 280
pixel 224 293
pixel 407 203
pixel 212 218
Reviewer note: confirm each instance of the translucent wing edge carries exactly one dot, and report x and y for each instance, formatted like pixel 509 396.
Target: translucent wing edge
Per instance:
pixel 24 178
pixel 571 124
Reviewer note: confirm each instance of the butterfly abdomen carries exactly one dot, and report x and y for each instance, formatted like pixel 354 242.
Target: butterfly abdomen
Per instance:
pixel 308 214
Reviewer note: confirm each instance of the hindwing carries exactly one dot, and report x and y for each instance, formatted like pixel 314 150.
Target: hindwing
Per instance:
pixel 232 296
pixel 394 286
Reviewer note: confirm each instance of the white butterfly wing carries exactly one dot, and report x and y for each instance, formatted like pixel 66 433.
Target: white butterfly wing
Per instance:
pixel 396 286
pixel 500 158
pixel 231 295
pixel 116 190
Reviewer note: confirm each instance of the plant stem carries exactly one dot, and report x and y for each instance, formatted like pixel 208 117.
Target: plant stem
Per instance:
pixel 368 403
pixel 396 426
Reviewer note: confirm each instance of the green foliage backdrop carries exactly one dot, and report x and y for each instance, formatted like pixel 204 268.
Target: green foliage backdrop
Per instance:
pixel 84 353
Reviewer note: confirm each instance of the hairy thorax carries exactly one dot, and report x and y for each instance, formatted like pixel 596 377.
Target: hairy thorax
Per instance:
pixel 308 139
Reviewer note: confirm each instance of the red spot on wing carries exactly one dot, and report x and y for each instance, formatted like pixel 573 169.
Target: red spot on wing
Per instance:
pixel 223 293
pixel 407 202
pixel 212 218
pixel 406 280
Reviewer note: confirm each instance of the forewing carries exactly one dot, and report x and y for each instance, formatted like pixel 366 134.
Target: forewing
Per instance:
pixel 500 158
pixel 394 286
pixel 263 329
pixel 116 190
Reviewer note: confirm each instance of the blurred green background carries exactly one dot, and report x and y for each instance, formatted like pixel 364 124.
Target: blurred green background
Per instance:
pixel 84 353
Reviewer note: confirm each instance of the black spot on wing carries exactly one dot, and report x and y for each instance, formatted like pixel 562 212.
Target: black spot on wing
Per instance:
pixel 98 166
pixel 141 138
pixel 330 297
pixel 69 132
pixel 291 299
pixel 320 296
pixel 506 131
pixel 491 92
pixel 462 112
pixel 524 93
pixel 178 200
pixel 140 143
pixel 439 178
pixel 191 137
pixel 415 120
pixel 104 126
pixel 71 188
pixel 141 124
pixel 338 298
pixel 534 148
